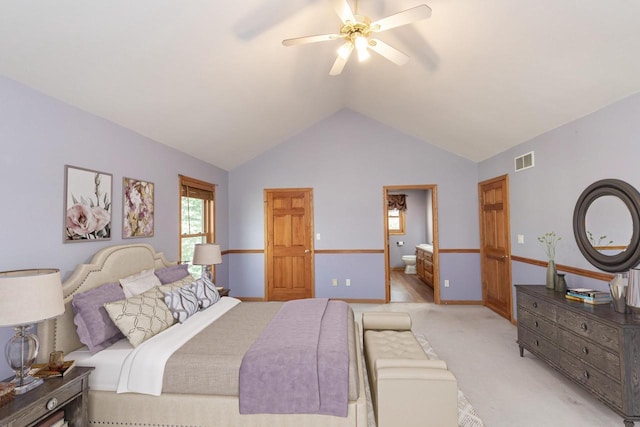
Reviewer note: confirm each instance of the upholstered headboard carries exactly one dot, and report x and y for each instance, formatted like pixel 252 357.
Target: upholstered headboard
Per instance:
pixel 107 265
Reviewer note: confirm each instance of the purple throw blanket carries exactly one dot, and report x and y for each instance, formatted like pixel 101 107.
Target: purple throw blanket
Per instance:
pixel 300 362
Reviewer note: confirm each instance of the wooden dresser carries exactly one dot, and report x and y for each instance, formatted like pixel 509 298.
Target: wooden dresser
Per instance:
pixel 592 345
pixel 424 265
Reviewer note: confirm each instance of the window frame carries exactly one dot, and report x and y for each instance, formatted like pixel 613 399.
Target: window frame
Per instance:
pixel 186 184
pixel 401 217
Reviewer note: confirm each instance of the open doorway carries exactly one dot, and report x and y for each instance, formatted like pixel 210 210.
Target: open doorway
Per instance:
pixel 411 230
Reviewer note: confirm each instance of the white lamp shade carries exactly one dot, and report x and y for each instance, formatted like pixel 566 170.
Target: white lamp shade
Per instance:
pixel 207 254
pixel 30 296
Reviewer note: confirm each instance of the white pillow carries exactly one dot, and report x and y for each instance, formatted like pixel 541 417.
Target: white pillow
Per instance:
pixel 139 283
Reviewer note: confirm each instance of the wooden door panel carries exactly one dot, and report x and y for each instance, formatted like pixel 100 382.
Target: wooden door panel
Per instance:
pixel 289 244
pixel 495 245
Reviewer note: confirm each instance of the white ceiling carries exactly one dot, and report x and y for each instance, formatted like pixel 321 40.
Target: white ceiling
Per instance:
pixel 212 79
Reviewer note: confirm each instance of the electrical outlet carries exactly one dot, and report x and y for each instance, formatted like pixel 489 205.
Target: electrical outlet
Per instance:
pixel 446 283
pixel 334 282
pixel 347 282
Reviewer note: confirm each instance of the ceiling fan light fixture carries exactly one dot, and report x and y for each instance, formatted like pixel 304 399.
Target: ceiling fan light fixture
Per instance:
pixel 355 32
pixel 361 44
pixel 344 51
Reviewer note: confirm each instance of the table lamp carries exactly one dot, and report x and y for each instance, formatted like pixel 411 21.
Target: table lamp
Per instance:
pixel 207 254
pixel 27 297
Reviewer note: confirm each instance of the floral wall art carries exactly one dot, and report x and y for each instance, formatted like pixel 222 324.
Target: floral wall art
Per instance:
pixel 87 205
pixel 137 208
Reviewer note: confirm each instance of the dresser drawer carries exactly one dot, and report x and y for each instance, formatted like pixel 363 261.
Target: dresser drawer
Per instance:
pixel 598 332
pixel 585 350
pixel 537 306
pixel 537 324
pixel 595 381
pixel 538 345
pixel 61 396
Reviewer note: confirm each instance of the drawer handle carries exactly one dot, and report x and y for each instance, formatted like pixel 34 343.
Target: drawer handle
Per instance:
pixel 536 323
pixel 535 304
pixel 536 343
pixel 583 326
pixel 52 403
pixel 585 350
pixel 586 375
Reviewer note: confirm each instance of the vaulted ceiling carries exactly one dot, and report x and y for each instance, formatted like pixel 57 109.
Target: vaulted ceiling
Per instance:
pixel 211 78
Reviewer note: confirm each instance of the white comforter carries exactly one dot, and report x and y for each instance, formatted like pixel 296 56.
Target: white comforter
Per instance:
pixel 141 370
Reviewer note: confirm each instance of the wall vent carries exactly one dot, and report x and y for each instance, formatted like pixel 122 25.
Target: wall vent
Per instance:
pixel 525 161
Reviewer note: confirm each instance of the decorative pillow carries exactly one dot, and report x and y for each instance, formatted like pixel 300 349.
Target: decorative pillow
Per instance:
pixel 172 273
pixel 140 317
pixel 206 292
pixel 182 303
pixel 95 329
pixel 160 290
pixel 139 283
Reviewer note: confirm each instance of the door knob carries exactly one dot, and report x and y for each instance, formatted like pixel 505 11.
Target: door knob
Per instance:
pixel 306 251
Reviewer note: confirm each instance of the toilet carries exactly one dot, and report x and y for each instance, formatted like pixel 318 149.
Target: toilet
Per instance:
pixel 410 264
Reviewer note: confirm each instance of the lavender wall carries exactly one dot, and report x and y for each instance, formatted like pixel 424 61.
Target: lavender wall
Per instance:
pixel 347 159
pixel 39 135
pixel 601 145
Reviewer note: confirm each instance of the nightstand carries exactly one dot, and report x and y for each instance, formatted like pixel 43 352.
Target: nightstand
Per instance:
pixel 69 393
pixel 224 292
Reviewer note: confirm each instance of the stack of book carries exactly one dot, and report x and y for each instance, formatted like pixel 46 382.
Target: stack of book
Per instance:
pixel 589 296
pixel 55 420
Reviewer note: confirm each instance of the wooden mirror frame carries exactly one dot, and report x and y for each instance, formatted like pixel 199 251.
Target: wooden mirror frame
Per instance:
pixel 626 259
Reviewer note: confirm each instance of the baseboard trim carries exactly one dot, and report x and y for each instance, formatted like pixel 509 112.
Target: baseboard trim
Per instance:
pixel 461 302
pixel 347 300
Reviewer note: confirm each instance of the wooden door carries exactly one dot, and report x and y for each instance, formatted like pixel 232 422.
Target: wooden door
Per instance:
pixel 495 245
pixel 289 244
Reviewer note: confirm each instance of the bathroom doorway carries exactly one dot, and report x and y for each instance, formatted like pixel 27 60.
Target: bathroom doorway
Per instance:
pixel 411 230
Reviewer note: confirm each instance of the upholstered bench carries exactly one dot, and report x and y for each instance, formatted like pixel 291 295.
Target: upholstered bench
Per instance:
pixel 407 388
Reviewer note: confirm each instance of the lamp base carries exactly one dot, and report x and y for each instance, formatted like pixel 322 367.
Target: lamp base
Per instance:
pixel 21 351
pixel 28 384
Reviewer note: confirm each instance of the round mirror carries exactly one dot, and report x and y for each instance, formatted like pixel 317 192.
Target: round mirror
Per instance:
pixel 606 225
pixel 609 225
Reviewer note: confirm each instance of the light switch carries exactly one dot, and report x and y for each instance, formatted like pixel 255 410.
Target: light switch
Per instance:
pixel 521 239
pixel 317 236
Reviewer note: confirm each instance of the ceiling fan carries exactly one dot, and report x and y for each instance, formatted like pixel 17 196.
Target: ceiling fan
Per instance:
pixel 356 31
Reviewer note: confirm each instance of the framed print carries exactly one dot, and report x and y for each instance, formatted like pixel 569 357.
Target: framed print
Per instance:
pixel 137 217
pixel 87 204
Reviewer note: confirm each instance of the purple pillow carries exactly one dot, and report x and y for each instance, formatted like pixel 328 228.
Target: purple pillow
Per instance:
pixel 95 328
pixel 172 273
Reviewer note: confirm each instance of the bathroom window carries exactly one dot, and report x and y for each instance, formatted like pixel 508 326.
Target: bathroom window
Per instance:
pixel 395 218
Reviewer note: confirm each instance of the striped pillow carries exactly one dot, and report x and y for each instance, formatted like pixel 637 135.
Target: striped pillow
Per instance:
pixel 206 292
pixel 182 303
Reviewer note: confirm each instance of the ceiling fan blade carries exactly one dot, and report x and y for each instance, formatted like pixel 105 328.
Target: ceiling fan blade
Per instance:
pixel 341 59
pixel 311 39
pixel 343 10
pixel 402 18
pixel 391 53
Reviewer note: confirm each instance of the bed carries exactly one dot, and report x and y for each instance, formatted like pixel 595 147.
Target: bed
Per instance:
pixel 200 408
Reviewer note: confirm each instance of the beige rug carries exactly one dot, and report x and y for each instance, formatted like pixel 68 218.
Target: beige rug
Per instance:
pixel 467 416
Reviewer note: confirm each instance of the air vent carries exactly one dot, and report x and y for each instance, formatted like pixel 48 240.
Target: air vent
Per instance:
pixel 524 162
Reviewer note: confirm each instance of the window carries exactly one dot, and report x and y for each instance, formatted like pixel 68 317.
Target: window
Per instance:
pixel 396 221
pixel 197 218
